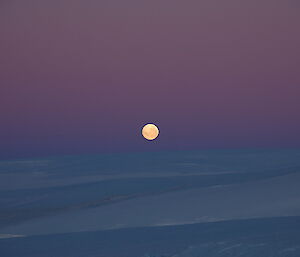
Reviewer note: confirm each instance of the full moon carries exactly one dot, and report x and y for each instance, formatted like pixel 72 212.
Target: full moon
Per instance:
pixel 150 131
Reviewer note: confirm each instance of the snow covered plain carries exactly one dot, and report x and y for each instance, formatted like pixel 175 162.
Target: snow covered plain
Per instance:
pixel 200 203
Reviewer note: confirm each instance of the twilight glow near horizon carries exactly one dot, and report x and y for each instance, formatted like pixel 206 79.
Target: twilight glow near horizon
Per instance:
pixel 84 76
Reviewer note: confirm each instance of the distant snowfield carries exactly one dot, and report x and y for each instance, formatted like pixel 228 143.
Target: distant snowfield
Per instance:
pixel 70 170
pixel 170 204
pixel 42 180
pixel 273 197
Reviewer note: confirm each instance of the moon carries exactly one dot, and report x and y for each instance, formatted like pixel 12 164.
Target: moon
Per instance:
pixel 150 131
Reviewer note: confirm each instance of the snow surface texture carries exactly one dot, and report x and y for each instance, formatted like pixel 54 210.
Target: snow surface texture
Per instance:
pixel 179 204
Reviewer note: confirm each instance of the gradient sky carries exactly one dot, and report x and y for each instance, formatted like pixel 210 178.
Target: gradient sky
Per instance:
pixel 83 76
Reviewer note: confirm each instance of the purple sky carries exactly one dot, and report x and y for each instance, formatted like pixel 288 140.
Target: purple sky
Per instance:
pixel 83 76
